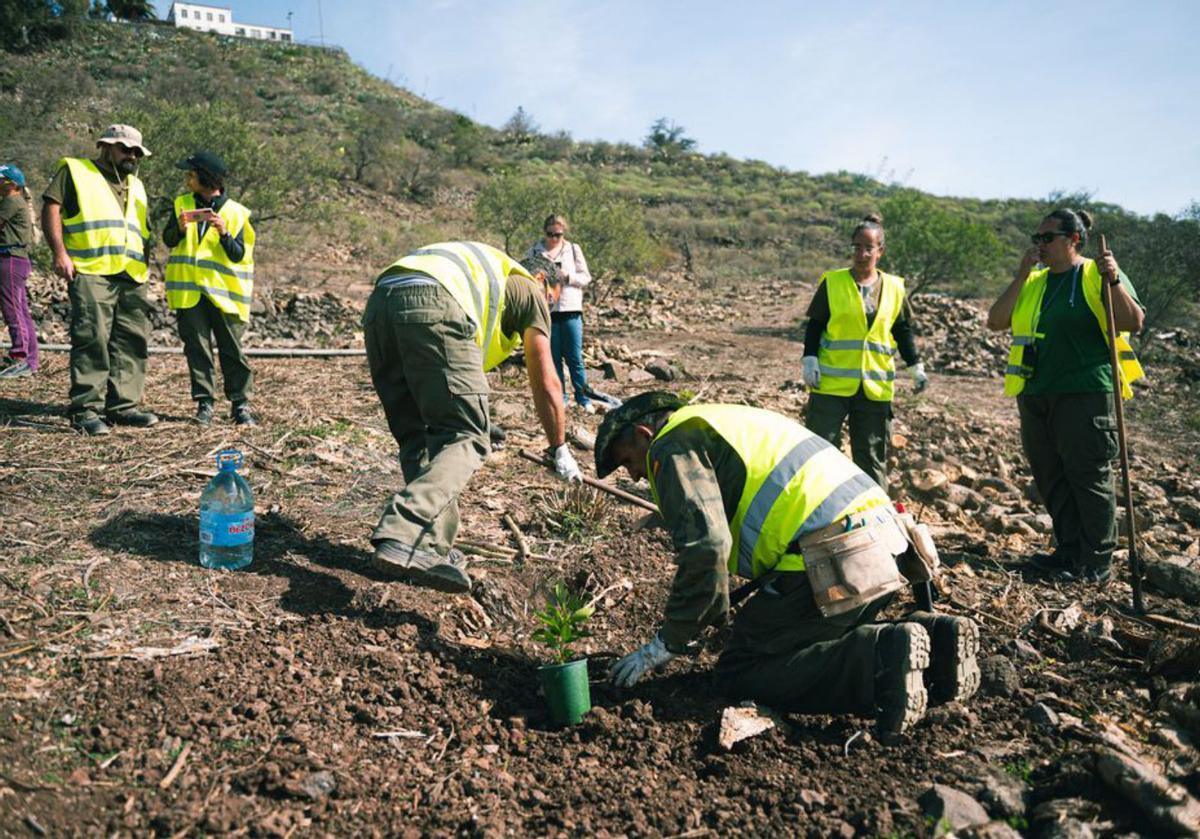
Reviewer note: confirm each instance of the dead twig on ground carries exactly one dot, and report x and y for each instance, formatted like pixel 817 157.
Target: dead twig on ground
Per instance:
pixel 177 767
pixel 522 546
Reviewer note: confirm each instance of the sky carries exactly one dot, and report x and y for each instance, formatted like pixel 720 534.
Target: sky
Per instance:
pixel 969 98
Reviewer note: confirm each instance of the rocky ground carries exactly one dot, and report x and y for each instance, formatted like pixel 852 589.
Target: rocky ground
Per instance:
pixel 307 696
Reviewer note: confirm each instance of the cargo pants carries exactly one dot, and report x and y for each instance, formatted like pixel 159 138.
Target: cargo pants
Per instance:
pixel 109 334
pixel 199 327
pixel 428 374
pixel 870 428
pixel 784 653
pixel 1070 440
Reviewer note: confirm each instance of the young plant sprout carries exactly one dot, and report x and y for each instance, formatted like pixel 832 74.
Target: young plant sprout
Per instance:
pixel 563 621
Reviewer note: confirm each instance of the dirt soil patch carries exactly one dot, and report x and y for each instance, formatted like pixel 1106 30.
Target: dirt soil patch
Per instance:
pixel 142 694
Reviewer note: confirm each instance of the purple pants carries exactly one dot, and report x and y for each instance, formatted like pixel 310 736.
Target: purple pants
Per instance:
pixel 14 301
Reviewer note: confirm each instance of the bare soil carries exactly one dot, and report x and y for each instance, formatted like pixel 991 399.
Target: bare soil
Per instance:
pixel 141 694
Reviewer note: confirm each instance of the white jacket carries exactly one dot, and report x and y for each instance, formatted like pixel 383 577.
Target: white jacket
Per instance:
pixel 574 268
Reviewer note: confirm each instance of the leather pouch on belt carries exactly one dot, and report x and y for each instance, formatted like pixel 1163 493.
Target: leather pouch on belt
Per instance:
pixel 856 567
pixel 920 562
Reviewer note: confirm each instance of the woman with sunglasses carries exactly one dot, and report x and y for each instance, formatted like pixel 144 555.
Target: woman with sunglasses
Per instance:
pixel 566 316
pixel 1060 372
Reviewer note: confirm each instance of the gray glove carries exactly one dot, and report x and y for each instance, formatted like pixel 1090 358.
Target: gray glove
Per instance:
pixel 920 380
pixel 564 464
pixel 812 371
pixel 628 671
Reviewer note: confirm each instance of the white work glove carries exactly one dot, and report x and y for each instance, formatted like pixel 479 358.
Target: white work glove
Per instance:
pixel 812 371
pixel 564 464
pixel 920 380
pixel 628 671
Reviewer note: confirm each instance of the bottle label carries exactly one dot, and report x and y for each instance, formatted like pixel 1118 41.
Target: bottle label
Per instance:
pixel 226 530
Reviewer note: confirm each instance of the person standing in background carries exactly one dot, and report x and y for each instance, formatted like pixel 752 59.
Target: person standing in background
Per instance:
pixel 16 235
pixel 210 284
pixel 857 320
pixel 566 317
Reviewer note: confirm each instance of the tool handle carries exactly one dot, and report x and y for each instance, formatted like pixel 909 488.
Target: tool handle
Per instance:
pixel 592 482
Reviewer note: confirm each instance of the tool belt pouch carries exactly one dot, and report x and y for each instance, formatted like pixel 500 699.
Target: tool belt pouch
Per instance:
pixel 920 562
pixel 854 568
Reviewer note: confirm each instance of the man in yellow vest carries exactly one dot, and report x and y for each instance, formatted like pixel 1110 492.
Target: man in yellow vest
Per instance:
pixel 749 492
pixel 858 319
pixel 94 218
pixel 437 320
pixel 210 284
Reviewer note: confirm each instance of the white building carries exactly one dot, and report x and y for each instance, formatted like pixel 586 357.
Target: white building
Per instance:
pixel 219 19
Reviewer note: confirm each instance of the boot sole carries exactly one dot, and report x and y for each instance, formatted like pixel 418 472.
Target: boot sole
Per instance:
pixel 916 660
pixel 955 668
pixel 443 578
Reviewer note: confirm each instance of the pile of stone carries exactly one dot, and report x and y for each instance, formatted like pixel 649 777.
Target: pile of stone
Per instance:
pixel 953 337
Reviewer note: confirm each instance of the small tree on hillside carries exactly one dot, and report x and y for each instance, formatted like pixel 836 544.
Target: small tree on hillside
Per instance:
pixel 520 126
pixel 933 247
pixel 667 140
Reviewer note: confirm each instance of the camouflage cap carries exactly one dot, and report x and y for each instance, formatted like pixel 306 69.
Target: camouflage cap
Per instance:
pixel 617 420
pixel 535 263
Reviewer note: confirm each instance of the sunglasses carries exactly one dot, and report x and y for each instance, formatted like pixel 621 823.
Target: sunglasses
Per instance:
pixel 136 152
pixel 550 235
pixel 1046 238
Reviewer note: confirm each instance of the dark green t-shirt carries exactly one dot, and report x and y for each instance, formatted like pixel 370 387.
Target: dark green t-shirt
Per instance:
pixel 15 231
pixel 1073 355
pixel 524 307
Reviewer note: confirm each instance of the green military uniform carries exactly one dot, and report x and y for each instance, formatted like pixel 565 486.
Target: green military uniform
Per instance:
pixel 109 329
pixel 428 371
pixel 782 651
pixel 1068 427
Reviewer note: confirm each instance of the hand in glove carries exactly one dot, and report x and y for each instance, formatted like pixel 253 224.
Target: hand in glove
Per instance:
pixel 920 380
pixel 564 464
pixel 628 671
pixel 812 371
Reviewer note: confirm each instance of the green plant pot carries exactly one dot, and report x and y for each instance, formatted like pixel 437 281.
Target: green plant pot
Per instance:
pixel 567 691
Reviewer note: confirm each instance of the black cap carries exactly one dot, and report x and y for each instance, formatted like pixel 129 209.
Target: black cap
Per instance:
pixel 203 161
pixel 617 420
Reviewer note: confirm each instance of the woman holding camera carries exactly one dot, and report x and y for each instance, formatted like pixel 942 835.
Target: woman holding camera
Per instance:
pixel 1060 372
pixel 566 316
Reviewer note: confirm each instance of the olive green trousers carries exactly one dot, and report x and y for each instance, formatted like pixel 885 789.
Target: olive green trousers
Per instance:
pixel 870 428
pixel 428 374
pixel 199 327
pixel 109 334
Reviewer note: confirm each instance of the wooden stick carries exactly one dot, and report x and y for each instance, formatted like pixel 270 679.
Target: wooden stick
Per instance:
pixel 177 767
pixel 522 548
pixel 592 482
pixel 1135 563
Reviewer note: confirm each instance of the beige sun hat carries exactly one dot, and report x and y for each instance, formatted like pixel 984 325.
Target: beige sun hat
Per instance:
pixel 126 135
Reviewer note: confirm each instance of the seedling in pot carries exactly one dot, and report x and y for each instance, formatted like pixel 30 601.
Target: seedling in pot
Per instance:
pixel 563 621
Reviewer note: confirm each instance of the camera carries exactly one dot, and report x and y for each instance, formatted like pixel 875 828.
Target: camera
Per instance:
pixel 1029 360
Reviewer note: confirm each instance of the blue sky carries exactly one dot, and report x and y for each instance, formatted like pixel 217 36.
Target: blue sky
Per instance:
pixel 992 100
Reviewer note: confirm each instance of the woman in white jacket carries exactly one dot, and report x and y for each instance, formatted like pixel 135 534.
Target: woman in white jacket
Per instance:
pixel 566 316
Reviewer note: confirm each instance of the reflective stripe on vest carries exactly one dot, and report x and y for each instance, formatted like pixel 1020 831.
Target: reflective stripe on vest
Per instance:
pixel 199 265
pixel 103 237
pixel 795 483
pixel 475 275
pixel 1025 316
pixel 852 355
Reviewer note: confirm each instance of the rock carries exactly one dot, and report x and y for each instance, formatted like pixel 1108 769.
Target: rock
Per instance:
pixel 614 370
pixel 991 830
pixel 1175 577
pixel 951 809
pixel 928 480
pixel 661 369
pixel 999 484
pixel 1167 805
pixel 999 676
pixel 313 786
pixel 1024 651
pixel 1042 714
pixel 1004 795
pixel 811 799
pixel 745 721
pixel 640 377
pixel 1066 829
pixel 1188 509
pixel 962 496
pixel 1064 818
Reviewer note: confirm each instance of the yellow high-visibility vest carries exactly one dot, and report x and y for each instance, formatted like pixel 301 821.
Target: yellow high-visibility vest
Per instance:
pixel 796 483
pixel 103 237
pixel 851 354
pixel 1024 328
pixel 476 275
pixel 200 266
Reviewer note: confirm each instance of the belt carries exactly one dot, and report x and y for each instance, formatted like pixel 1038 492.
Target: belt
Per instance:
pixel 875 515
pixel 404 280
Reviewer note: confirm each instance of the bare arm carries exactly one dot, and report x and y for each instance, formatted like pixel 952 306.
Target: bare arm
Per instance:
pixel 52 228
pixel 999 316
pixel 1127 314
pixel 544 386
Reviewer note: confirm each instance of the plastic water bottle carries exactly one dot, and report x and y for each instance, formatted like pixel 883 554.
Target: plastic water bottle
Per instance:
pixel 227 516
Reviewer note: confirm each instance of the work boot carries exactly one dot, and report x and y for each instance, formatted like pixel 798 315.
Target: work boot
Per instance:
pixel 422 568
pixel 1051 563
pixel 19 369
pixel 91 425
pixel 953 675
pixel 497 435
pixel 133 417
pixel 204 412
pixel 901 656
pixel 242 415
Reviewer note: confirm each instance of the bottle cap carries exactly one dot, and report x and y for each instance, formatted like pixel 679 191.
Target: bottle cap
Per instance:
pixel 229 460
